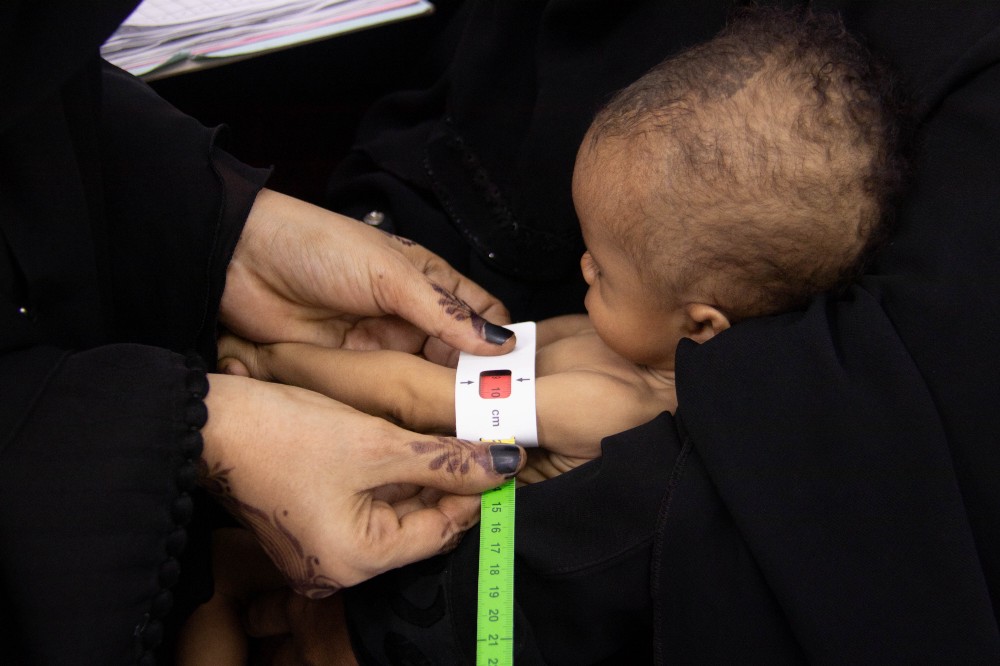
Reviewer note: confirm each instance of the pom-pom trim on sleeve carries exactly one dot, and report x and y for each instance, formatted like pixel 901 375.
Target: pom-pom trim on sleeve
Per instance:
pixel 150 632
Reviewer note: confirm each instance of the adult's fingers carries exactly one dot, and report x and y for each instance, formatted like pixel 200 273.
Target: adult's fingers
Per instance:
pixel 386 332
pixel 447 463
pixel 407 531
pixel 442 353
pixel 433 301
pixel 423 533
pixel 426 497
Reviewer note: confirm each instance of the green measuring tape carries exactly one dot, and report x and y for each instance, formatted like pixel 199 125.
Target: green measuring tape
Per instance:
pixel 495 612
pixel 495 402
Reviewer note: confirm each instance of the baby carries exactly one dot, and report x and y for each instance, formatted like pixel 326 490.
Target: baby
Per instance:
pixel 736 179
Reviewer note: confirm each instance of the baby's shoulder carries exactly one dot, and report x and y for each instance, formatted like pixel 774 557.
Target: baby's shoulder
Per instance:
pixel 581 350
pixel 585 351
pixel 583 367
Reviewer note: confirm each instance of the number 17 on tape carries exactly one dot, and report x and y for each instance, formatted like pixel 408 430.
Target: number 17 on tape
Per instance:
pixel 495 612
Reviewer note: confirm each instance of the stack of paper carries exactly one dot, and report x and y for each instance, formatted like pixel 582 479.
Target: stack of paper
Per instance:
pixel 163 32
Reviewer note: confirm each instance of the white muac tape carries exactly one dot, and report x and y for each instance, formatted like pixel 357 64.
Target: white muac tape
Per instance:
pixel 495 395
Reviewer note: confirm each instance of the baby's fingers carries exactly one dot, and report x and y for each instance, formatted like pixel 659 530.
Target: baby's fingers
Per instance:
pixel 239 357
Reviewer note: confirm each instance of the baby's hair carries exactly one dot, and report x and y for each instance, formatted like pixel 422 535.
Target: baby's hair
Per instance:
pixel 775 154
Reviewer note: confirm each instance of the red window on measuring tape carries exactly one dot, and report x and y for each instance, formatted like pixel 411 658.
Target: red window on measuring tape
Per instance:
pixel 494 384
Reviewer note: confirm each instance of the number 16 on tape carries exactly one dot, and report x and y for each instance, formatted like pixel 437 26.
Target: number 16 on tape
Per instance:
pixel 495 613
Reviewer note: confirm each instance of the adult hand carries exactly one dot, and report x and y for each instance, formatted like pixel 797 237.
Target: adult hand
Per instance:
pixel 301 273
pixel 333 495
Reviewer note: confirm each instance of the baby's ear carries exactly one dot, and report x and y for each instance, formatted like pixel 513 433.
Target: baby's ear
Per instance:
pixel 704 321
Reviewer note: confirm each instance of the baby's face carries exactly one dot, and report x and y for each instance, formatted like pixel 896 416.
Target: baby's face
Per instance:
pixel 629 315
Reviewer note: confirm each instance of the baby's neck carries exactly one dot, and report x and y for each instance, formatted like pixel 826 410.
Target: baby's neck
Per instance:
pixel 663 376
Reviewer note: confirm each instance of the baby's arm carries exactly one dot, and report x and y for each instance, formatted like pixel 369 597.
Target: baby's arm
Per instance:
pixel 578 408
pixel 586 394
pixel 403 388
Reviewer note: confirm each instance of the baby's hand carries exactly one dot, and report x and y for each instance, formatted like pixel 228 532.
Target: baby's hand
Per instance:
pixel 242 358
pixel 543 464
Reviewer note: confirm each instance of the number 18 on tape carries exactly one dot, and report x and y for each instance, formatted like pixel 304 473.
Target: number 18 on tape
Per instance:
pixel 495 402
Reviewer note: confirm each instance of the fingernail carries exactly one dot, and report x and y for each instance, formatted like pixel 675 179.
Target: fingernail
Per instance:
pixel 506 458
pixel 496 334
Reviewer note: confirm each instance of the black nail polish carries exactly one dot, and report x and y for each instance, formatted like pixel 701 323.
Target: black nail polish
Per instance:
pixel 496 334
pixel 506 458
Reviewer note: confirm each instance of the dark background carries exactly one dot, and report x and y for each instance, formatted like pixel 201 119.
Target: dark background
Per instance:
pixel 297 109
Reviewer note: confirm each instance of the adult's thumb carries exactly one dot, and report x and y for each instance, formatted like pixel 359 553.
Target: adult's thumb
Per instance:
pixel 442 314
pixel 456 465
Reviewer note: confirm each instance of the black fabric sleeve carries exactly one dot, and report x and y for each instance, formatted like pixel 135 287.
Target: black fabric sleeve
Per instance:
pixel 830 460
pixel 94 495
pixel 127 242
pixel 119 258
pixel 176 203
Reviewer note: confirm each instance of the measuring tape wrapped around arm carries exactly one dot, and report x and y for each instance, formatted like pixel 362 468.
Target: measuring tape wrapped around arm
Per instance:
pixel 495 402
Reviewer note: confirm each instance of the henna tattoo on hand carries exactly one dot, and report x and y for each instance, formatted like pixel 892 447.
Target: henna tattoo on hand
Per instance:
pixel 458 309
pixel 403 241
pixel 451 458
pixel 281 545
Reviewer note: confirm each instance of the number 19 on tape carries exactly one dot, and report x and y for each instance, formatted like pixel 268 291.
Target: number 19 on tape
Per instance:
pixel 495 613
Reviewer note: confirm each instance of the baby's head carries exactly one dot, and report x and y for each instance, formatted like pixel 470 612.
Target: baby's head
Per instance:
pixel 736 179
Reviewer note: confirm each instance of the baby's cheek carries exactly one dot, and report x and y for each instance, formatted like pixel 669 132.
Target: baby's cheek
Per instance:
pixel 589 302
pixel 599 321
